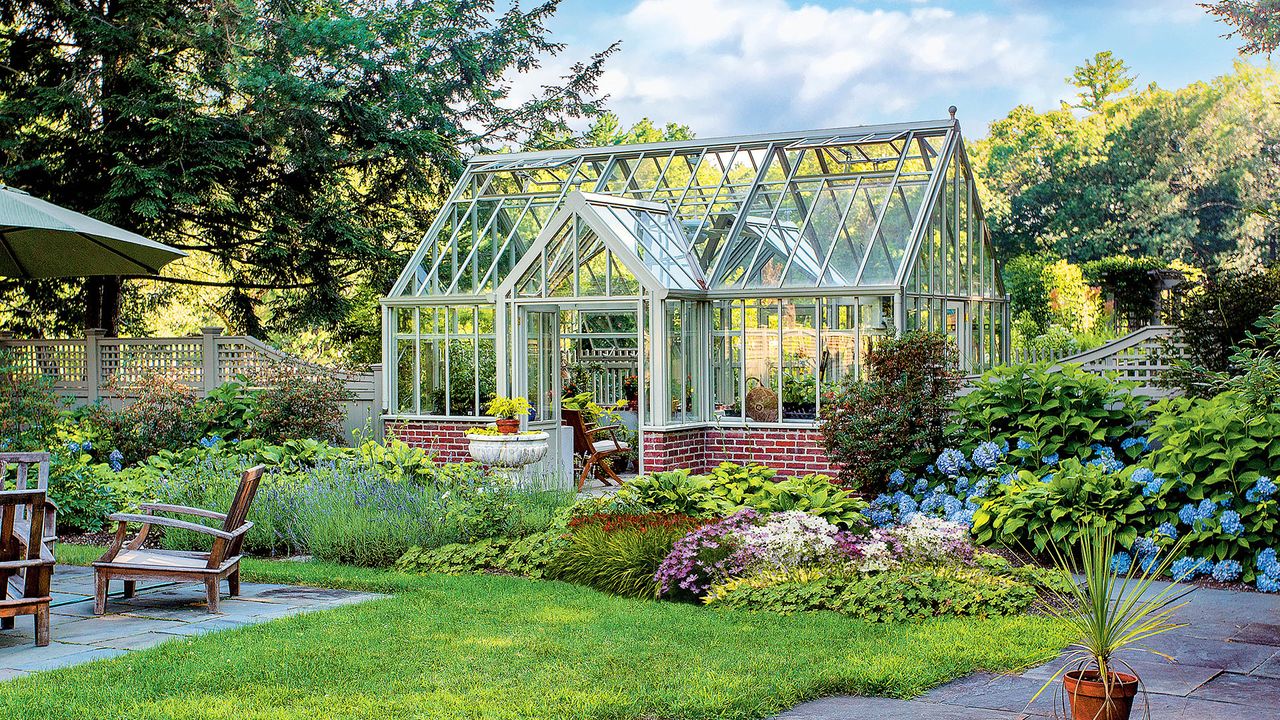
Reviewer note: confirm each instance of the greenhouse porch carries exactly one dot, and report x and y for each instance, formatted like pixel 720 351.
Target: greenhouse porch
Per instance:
pixel 713 287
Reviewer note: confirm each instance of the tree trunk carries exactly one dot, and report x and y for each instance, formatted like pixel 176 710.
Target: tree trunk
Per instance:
pixel 102 303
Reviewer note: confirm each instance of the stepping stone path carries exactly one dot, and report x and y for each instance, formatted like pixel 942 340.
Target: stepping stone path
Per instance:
pixel 1226 667
pixel 158 612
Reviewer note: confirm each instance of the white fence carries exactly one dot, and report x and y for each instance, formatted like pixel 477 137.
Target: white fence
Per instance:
pixel 86 369
pixel 1140 357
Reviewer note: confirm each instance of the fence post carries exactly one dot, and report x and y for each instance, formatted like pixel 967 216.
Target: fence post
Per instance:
pixel 377 410
pixel 209 356
pixel 93 364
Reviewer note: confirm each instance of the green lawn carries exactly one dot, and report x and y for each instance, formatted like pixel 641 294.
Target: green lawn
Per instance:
pixel 500 647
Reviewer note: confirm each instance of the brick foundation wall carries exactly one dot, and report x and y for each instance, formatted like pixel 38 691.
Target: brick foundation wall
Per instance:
pixel 789 451
pixel 446 441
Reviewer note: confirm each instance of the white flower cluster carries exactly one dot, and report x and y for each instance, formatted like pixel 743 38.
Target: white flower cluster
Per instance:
pixel 930 539
pixel 790 539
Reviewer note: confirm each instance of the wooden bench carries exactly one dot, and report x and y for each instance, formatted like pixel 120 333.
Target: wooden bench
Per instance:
pixel 132 563
pixel 30 471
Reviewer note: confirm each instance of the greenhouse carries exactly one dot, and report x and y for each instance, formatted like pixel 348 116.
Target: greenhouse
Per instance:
pixel 710 285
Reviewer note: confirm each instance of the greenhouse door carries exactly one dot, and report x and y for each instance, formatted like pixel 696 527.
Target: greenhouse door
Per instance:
pixel 538 379
pixel 958 329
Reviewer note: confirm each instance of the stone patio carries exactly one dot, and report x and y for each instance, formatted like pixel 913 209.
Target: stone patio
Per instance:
pixel 159 612
pixel 1227 668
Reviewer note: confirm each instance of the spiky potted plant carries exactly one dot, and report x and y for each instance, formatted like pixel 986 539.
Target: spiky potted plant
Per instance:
pixel 507 412
pixel 1108 611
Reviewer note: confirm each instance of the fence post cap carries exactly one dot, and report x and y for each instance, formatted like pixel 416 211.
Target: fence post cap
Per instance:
pixel 98 332
pixel 211 330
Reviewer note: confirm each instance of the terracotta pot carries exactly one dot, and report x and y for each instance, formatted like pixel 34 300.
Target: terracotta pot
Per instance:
pixel 1088 696
pixel 508 426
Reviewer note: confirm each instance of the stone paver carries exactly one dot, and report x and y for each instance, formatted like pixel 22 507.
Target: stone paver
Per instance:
pixel 159 612
pixel 1226 667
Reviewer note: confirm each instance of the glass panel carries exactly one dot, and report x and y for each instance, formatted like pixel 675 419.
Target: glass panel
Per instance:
pixel 406 354
pixel 839 341
pixel 799 359
pixel 875 322
pixel 762 356
pixel 851 244
pixel 593 266
pixel 726 353
pixel 892 241
pixel 964 270
pixel 677 377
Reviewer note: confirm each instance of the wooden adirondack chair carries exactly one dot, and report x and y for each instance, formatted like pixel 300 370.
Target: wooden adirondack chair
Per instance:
pixel 131 563
pixel 30 471
pixel 25 561
pixel 593 452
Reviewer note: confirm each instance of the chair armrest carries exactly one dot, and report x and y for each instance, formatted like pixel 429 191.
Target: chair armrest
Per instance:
pixel 604 428
pixel 125 518
pixel 18 564
pixel 182 510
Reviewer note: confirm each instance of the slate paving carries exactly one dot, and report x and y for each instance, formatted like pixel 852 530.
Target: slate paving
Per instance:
pixel 1226 667
pixel 159 612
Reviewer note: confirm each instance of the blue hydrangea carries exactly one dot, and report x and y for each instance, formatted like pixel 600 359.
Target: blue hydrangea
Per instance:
pixel 1143 475
pixel 951 505
pixel 1230 522
pixel 1149 563
pixel 210 441
pixel 1262 489
pixel 1186 568
pixel 1024 444
pixel 964 517
pixel 1187 514
pixel 73 447
pixel 897 479
pixel 1007 478
pixel 1267 584
pixel 1121 562
pixel 980 488
pixel 962 485
pixel 1226 500
pixel 881 518
pixel 1050 459
pixel 1144 547
pixel 1047 478
pixel 906 506
pixel 1206 509
pixel 1131 442
pixel 951 462
pixel 1227 571
pixel 920 486
pixel 986 456
pixel 1168 530
pixel 1267 564
pixel 929 470
pixel 116 460
pixel 931 503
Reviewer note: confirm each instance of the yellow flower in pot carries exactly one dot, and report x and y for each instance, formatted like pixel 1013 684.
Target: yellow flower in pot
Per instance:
pixel 507 413
pixel 1108 607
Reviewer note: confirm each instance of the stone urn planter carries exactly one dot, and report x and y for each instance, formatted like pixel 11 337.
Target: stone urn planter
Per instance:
pixel 511 452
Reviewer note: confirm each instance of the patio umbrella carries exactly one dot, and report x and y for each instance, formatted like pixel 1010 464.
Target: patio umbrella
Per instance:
pixel 41 240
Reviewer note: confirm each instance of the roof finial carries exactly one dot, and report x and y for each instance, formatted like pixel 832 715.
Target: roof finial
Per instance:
pixel 952 111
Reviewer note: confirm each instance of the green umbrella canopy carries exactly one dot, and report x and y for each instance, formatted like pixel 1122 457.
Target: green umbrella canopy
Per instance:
pixel 41 240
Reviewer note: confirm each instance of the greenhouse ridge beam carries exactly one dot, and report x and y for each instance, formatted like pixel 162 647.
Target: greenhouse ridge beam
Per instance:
pixel 826 134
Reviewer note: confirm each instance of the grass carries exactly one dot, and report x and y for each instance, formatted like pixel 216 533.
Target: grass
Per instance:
pixel 503 647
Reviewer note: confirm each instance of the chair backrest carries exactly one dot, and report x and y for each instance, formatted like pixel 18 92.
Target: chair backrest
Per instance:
pixel 237 514
pixel 22 463
pixel 30 472
pixel 581 441
pixel 18 505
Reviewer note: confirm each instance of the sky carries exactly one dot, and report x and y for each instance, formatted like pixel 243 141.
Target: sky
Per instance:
pixel 729 67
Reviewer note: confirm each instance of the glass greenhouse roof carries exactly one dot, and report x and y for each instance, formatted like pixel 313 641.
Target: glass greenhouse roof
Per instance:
pixel 842 208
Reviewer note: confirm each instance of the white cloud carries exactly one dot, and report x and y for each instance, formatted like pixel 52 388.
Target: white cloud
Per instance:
pixel 730 66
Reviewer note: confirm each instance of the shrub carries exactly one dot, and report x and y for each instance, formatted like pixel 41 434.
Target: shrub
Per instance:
pixel 729 488
pixel 898 595
pixel 164 415
pixel 29 408
pixel 1218 316
pixel 87 492
pixel 529 556
pixel 619 556
pixel 1039 411
pixel 898 413
pixel 1032 511
pixel 293 403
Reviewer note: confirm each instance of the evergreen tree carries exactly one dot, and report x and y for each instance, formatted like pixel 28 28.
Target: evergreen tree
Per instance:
pixel 1101 79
